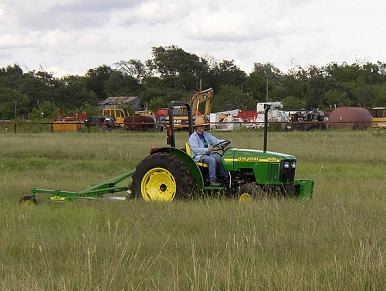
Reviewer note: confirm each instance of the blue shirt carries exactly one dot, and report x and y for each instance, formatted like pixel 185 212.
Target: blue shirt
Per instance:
pixel 198 145
pixel 202 137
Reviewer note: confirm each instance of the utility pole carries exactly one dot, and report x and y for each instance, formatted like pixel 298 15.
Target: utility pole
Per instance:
pixel 15 111
pixel 266 89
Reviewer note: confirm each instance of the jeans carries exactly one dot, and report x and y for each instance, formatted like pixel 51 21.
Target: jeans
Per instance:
pixel 213 160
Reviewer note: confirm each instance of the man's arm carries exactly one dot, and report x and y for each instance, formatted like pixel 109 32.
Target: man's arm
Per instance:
pixel 211 139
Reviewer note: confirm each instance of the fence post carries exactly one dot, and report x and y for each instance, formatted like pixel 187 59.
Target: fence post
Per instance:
pixel 15 126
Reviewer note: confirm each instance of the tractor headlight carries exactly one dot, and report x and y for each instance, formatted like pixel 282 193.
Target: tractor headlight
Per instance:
pixel 293 165
pixel 286 165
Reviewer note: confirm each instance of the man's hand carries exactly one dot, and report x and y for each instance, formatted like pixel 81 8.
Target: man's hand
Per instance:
pixel 210 149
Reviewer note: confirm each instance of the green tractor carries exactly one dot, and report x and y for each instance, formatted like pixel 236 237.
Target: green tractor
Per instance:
pixel 169 173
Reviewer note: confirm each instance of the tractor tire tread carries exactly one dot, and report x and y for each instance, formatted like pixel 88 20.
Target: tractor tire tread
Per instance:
pixel 184 179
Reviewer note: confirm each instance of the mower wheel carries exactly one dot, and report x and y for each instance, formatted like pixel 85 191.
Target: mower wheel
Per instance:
pixel 28 200
pixel 162 177
pixel 250 191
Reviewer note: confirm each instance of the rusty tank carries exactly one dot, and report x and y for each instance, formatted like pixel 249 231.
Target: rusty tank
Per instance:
pixel 356 118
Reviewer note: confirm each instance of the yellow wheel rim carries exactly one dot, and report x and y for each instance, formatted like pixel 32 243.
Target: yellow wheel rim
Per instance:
pixel 158 184
pixel 245 197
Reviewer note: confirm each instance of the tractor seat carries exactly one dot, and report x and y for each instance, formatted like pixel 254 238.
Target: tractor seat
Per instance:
pixel 189 152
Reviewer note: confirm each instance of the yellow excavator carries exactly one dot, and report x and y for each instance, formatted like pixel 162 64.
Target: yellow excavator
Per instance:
pixel 200 97
pixel 181 115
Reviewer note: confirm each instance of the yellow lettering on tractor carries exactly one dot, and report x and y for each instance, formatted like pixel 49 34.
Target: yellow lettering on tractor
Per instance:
pixel 252 160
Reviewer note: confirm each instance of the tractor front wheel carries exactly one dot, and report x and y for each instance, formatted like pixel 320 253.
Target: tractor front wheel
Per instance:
pixel 162 177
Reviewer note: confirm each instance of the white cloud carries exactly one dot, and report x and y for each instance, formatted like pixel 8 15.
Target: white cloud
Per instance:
pixel 73 36
pixel 17 41
pixel 218 26
pixel 148 12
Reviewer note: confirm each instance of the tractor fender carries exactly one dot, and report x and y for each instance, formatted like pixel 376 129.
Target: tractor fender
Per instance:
pixel 183 156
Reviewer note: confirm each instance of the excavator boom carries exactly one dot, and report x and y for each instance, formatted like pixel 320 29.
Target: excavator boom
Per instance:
pixel 200 97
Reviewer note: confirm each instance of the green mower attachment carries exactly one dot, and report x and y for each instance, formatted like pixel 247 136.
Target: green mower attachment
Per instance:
pixel 93 192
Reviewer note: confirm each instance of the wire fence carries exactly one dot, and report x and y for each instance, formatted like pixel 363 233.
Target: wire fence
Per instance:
pixel 9 126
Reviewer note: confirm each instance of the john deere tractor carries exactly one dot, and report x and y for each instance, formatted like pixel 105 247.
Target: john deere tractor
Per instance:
pixel 169 172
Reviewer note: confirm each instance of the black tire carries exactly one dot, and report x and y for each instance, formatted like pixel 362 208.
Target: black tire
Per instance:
pixel 252 189
pixel 184 182
pixel 28 200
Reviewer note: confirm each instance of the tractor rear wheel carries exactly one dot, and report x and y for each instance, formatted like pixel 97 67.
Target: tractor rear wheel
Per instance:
pixel 162 177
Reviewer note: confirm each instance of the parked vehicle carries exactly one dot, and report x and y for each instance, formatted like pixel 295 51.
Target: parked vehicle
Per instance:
pixel 275 114
pixel 118 114
pixel 105 123
pixel 379 117
pixel 140 120
pixel 307 120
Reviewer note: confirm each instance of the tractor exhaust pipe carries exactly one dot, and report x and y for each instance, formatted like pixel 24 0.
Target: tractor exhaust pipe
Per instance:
pixel 266 109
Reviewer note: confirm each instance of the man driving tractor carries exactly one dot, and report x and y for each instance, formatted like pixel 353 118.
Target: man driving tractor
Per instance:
pixel 201 144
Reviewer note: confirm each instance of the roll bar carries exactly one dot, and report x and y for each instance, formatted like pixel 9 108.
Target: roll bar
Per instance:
pixel 266 109
pixel 170 132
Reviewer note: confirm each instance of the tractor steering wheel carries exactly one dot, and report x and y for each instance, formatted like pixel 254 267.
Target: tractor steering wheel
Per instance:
pixel 219 148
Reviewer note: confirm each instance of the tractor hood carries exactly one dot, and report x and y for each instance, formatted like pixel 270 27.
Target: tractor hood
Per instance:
pixel 235 158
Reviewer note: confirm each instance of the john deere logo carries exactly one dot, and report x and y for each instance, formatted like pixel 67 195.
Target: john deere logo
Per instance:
pixel 248 159
pixel 252 160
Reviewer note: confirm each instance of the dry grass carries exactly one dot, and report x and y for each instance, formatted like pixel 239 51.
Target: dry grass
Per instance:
pixel 336 241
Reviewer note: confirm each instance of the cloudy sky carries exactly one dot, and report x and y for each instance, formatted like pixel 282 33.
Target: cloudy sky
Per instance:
pixel 72 36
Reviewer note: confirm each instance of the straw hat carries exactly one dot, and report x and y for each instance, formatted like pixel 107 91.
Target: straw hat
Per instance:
pixel 200 121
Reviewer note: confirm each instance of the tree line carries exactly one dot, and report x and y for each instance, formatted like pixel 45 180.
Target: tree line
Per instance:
pixel 173 74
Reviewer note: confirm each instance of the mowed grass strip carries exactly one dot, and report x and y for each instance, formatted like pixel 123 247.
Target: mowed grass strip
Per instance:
pixel 336 241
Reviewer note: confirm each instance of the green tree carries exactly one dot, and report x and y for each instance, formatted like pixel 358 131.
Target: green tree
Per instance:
pixel 119 84
pixel 90 109
pixel 10 100
pixel 134 68
pixel 47 110
pixel 73 92
pixel 338 98
pixel 317 84
pixel 177 68
pixel 152 87
pixel 292 102
pixel 256 83
pixel 380 96
pixel 96 79
pixel 12 76
pixel 157 103
pixel 40 86
pixel 226 73
pixel 231 97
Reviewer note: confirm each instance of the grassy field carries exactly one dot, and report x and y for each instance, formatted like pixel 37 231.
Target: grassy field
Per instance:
pixel 336 241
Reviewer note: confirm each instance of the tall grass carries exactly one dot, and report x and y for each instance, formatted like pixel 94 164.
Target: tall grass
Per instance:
pixel 336 241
